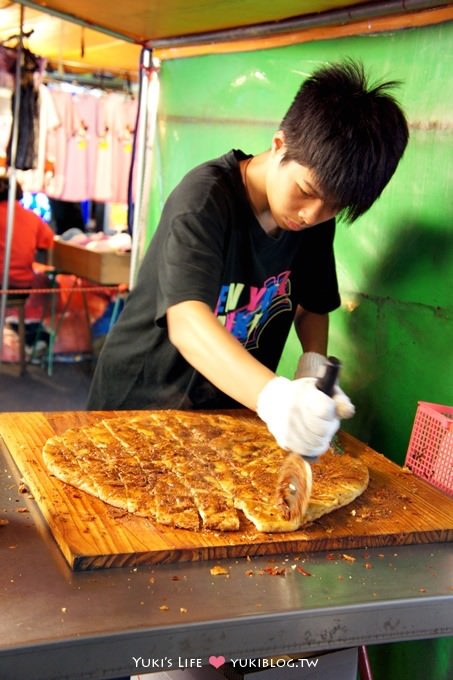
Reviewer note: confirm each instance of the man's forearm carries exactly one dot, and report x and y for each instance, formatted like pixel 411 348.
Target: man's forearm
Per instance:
pixel 312 330
pixel 215 353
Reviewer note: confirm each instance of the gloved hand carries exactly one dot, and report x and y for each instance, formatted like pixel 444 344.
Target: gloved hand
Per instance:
pixel 344 406
pixel 301 417
pixel 311 364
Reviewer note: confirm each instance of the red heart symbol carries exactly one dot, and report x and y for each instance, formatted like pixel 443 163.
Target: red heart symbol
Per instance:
pixel 216 661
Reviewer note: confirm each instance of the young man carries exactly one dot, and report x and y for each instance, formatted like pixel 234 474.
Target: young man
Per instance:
pixel 243 249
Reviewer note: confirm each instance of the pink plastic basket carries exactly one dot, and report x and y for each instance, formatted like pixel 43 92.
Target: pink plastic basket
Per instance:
pixel 430 452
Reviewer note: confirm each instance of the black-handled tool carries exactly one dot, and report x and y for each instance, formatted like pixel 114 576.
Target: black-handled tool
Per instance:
pixel 295 479
pixel 326 383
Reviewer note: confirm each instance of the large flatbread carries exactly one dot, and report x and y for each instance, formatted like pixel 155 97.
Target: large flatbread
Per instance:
pixel 196 470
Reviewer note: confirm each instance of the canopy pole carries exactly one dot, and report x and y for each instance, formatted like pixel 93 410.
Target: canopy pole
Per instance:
pixel 137 223
pixel 149 154
pixel 12 180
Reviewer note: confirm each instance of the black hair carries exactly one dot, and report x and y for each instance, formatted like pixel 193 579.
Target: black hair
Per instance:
pixel 351 135
pixel 4 190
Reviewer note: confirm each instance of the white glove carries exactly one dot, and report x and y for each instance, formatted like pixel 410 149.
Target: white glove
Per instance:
pixel 344 406
pixel 301 417
pixel 311 364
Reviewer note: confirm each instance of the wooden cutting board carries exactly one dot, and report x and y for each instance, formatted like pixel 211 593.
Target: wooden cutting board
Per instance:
pixel 397 508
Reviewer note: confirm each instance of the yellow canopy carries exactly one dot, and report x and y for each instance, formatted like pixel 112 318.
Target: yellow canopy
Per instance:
pixel 138 22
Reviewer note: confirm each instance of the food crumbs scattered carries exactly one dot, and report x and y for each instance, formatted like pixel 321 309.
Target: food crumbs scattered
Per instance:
pixel 348 558
pixel 64 610
pixel 218 570
pixel 163 608
pixel 175 578
pixel 152 579
pixel 302 571
pixel 183 610
pixel 21 509
pixel 273 571
pixel 23 488
pixel 422 590
pixel 4 522
pixel 249 572
pixel 368 565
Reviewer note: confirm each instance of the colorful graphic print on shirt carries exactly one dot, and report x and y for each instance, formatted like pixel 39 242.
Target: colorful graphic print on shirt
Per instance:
pixel 247 321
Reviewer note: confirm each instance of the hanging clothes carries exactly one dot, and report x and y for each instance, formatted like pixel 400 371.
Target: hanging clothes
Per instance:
pixel 80 149
pixel 28 117
pixel 48 120
pixel 7 66
pixel 103 183
pixel 28 126
pixel 79 144
pixel 116 123
pixel 57 142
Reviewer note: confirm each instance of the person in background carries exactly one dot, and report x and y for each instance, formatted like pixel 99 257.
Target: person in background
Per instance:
pixel 244 249
pixel 30 235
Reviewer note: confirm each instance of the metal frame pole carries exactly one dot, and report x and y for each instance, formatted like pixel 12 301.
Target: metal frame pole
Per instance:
pixel 141 133
pixel 12 181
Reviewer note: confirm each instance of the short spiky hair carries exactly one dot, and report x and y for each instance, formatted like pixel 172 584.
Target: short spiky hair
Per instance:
pixel 351 135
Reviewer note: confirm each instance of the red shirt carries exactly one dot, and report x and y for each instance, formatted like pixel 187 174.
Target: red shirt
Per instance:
pixel 30 233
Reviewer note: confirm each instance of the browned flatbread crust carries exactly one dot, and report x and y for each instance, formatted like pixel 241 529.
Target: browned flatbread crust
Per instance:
pixel 196 470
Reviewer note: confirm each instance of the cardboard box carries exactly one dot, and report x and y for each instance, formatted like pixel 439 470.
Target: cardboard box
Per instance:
pixel 104 268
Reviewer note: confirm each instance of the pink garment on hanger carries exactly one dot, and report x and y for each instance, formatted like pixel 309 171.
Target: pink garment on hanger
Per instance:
pixel 107 110
pixel 78 171
pixel 57 141
pixel 87 105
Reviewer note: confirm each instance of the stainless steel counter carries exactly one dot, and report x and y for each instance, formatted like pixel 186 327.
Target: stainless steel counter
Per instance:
pixel 59 625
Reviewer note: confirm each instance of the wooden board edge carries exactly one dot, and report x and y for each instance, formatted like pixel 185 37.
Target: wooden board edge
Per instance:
pixel 85 563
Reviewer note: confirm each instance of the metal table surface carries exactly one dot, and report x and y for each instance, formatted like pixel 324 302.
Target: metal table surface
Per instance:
pixel 59 625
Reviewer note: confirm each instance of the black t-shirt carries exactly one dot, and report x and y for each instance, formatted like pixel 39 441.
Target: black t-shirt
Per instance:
pixel 209 247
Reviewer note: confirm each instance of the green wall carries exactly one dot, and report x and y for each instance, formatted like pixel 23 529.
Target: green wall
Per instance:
pixel 393 331
pixel 395 263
